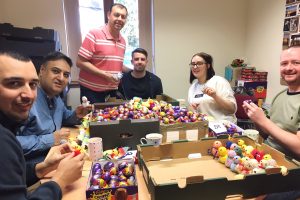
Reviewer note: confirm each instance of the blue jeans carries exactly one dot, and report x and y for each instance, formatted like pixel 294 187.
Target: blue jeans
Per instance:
pixel 94 96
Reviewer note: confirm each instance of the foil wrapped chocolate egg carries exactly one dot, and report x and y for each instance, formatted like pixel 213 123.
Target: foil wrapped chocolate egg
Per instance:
pixel 114 178
pixel 96 167
pixel 131 180
pixel 95 179
pixel 123 184
pixel 113 184
pixel 113 171
pixel 94 187
pixel 122 178
pixel 102 183
pixel 106 176
pixel 108 166
pixel 122 165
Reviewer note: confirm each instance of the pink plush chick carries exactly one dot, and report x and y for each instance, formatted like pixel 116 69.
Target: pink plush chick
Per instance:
pixel 229 160
pixel 215 147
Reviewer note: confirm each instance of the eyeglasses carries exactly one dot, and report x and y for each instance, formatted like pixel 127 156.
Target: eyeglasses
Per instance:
pixel 197 64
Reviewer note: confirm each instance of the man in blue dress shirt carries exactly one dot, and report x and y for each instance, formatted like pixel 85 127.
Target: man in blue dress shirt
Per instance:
pixel 49 113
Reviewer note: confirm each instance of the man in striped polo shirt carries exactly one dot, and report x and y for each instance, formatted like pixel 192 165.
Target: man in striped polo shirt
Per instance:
pixel 101 55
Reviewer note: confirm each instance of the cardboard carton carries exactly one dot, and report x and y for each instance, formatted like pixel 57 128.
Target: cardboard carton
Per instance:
pixel 184 131
pixel 259 88
pixel 123 132
pixel 109 193
pixel 186 170
pixel 116 102
pixel 232 74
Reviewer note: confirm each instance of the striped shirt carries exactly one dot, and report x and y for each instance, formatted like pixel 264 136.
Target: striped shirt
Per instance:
pixel 106 54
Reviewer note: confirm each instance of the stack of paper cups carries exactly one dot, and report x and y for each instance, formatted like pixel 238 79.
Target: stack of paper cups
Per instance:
pixel 95 148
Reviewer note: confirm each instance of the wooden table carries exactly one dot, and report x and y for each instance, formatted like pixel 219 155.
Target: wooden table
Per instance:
pixel 77 189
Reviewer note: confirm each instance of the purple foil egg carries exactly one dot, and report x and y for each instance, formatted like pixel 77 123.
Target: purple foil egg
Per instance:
pixel 94 178
pixel 119 173
pixel 122 165
pixel 114 178
pixel 98 171
pixel 108 166
pixel 94 187
pixel 95 181
pixel 106 176
pixel 97 166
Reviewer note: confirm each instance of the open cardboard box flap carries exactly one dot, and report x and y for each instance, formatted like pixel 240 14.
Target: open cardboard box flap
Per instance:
pixel 179 168
pixel 182 182
pixel 186 178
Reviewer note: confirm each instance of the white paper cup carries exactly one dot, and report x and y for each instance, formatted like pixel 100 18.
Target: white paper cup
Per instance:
pixel 251 133
pixel 152 139
pixel 95 148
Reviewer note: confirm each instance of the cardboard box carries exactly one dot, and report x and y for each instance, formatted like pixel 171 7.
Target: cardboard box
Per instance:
pixel 232 74
pixel 184 131
pixel 109 193
pixel 123 132
pixel 259 88
pixel 111 102
pixel 168 99
pixel 170 173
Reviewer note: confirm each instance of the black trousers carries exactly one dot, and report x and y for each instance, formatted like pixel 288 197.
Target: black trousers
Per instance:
pixel 94 96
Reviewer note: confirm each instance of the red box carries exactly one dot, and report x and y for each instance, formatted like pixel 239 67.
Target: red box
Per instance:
pixel 259 88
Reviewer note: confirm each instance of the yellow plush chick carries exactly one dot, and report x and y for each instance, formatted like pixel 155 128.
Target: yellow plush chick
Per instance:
pixel 222 152
pixel 267 157
pixel 244 147
pixel 249 149
pixel 241 142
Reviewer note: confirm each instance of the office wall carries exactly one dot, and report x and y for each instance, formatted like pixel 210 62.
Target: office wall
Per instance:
pixel 250 29
pixel 264 39
pixel 183 28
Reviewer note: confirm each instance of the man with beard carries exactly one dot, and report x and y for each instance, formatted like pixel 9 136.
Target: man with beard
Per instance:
pixel 44 129
pixel 18 90
pixel 139 82
pixel 283 127
pixel 100 58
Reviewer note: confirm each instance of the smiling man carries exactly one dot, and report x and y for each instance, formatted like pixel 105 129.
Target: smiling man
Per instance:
pixel 101 55
pixel 283 127
pixel 44 126
pixel 139 82
pixel 18 90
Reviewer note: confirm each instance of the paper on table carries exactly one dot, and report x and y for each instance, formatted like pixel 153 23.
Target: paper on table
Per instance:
pixel 172 136
pixel 192 135
pixel 217 127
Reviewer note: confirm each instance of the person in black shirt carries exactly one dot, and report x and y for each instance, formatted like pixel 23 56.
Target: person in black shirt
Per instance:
pixel 139 82
pixel 18 85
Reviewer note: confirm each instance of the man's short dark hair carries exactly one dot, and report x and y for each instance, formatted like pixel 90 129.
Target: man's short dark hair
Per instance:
pixel 140 50
pixel 118 5
pixel 15 55
pixel 56 55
